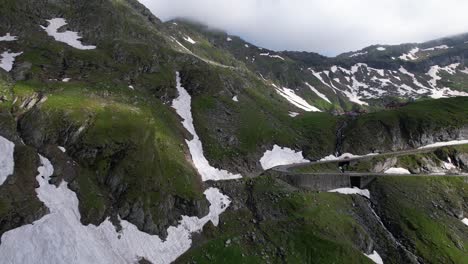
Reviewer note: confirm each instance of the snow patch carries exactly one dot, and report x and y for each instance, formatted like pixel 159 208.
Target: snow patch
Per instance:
pixel 8 59
pixel 189 40
pixel 444 144
pixel 8 37
pixel 68 37
pixel 345 156
pixel 444 91
pixel 293 114
pixel 59 237
pixel 228 39
pixel 235 99
pixel 319 77
pixel 434 71
pixel 375 257
pixel 437 48
pixel 7 162
pixel 66 79
pixel 296 100
pixel 411 55
pixel 398 171
pixel 465 221
pixel 182 105
pixel 271 56
pixel 415 81
pixel 354 190
pixel 381 49
pixel 62 149
pixel 358 54
pixel 281 156
pixel 319 94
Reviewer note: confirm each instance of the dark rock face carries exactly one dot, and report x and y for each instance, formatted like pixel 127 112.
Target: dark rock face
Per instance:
pixel 18 199
pixel 377 136
pixel 373 236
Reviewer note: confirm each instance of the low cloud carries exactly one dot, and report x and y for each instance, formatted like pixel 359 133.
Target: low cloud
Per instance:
pixel 329 27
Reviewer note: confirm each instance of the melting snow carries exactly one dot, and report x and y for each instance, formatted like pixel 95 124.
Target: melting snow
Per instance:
pixel 319 94
pixel 448 143
pixel 443 92
pixel 318 76
pixel 399 171
pixel 381 49
pixel 182 105
pixel 296 100
pixel 62 149
pixel 59 237
pixel 69 37
pixel 375 257
pixel 189 39
pixel 415 81
pixel 8 59
pixel 228 39
pixel 345 156
pixel 358 54
pixel 235 99
pixel 293 114
pixel 434 71
pixel 245 45
pixel 66 79
pixel 437 48
pixel 449 165
pixel 411 55
pixel 281 156
pixel 7 162
pixel 8 37
pixel 272 56
pixel 354 190
pixel 465 221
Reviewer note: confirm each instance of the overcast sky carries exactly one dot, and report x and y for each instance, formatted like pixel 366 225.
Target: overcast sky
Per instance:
pixel 329 27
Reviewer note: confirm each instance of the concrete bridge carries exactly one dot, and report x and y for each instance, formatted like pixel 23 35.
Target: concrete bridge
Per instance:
pixel 325 181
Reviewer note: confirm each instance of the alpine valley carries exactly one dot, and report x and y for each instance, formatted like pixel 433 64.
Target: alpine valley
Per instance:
pixel 125 139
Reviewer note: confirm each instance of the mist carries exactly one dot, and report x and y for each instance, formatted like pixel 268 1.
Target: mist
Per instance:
pixel 329 27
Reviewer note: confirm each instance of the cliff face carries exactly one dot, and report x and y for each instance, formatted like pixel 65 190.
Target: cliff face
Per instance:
pixel 408 127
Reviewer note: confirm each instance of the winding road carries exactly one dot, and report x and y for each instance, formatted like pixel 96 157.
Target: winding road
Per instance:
pixel 328 179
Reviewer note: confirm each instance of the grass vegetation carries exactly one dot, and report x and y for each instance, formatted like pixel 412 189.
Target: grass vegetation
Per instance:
pixel 283 226
pixel 135 144
pixel 423 211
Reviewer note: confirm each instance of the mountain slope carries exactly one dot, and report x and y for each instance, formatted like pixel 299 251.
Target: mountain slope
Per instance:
pixel 91 88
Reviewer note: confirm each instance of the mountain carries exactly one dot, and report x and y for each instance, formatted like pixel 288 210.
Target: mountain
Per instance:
pixel 127 139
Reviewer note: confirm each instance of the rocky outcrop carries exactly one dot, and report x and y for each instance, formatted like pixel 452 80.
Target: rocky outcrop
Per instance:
pixel 19 204
pixel 376 136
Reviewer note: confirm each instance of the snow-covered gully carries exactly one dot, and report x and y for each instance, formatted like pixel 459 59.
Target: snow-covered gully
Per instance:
pixel 391 236
pixel 374 256
pixel 182 105
pixel 7 163
pixel 59 236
